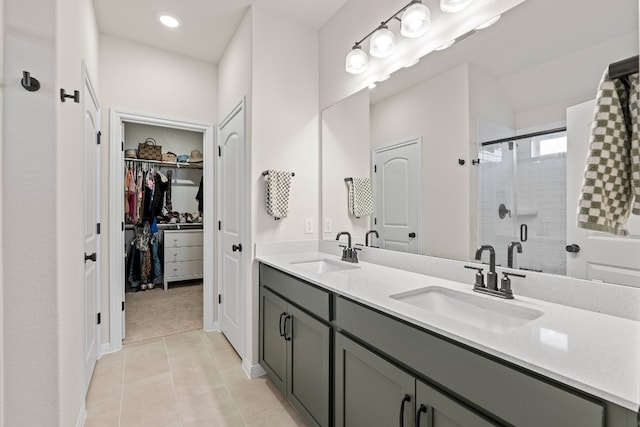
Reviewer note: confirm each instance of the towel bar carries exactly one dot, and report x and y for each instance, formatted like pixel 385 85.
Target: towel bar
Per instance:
pixel 265 173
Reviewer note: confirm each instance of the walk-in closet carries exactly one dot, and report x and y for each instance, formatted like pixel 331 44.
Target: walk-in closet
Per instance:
pixel 163 225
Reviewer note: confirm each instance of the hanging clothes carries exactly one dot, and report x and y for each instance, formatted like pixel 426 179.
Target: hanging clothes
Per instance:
pixel 167 194
pixel 200 197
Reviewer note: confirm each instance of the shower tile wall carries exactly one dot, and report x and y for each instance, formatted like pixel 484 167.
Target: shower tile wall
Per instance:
pixel 542 205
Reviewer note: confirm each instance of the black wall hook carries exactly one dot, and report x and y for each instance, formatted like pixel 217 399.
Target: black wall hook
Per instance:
pixel 29 83
pixel 64 96
pixel 461 162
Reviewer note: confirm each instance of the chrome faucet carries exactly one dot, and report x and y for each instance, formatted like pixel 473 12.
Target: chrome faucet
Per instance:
pixel 366 236
pixel 492 278
pixel 349 254
pixel 512 245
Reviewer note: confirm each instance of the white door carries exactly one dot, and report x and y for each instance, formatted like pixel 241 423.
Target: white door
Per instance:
pixel 396 185
pixel 231 190
pixel 91 126
pixel 601 256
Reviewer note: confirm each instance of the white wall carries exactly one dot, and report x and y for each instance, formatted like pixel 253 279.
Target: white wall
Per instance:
pixel 284 135
pixel 2 84
pixel 42 213
pixel 77 40
pixel 438 111
pixel 346 152
pixel 138 78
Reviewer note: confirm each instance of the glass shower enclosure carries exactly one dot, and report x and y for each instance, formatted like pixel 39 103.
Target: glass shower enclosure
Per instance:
pixel 523 198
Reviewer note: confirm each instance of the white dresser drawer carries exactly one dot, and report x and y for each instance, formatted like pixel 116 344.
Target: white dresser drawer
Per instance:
pixel 181 238
pixel 186 253
pixel 173 270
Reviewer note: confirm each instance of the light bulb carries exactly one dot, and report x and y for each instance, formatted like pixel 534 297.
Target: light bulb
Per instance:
pixel 416 21
pixel 382 42
pixel 356 61
pixel 489 23
pixel 453 6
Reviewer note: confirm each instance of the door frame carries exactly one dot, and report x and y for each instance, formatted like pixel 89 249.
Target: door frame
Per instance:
pixel 117 118
pixel 239 108
pixel 418 141
pixel 89 95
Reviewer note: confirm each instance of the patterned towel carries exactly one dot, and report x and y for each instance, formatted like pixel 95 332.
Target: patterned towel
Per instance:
pixel 634 110
pixel 605 200
pixel 278 185
pixel 360 197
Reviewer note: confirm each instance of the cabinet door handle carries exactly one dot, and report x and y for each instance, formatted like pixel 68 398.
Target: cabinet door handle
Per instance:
pixel 286 319
pixel 280 324
pixel 422 409
pixel 405 399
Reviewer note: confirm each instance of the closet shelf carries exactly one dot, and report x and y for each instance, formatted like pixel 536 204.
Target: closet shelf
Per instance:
pixel 178 226
pixel 178 165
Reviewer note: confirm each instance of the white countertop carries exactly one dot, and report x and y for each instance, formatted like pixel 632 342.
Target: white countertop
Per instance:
pixel 593 352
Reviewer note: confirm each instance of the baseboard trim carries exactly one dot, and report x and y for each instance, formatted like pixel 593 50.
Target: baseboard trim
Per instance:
pixel 216 326
pixel 106 348
pixel 252 371
pixel 81 416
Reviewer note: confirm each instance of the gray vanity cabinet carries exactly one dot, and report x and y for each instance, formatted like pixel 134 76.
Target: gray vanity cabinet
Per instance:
pixel 370 391
pixel 295 346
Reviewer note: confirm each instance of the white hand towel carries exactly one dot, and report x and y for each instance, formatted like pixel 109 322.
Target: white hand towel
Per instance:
pixel 278 186
pixel 360 197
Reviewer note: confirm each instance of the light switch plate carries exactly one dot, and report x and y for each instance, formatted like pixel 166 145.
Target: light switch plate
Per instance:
pixel 308 225
pixel 327 225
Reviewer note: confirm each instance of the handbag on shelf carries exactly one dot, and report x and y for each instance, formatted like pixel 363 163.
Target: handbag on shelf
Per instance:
pixel 149 150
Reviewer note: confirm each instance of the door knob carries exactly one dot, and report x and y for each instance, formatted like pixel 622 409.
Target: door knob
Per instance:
pixel 573 248
pixel 91 257
pixel 237 247
pixel 412 235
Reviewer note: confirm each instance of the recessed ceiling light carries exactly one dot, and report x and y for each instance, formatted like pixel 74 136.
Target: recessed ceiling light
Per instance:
pixel 446 45
pixel 489 23
pixel 169 21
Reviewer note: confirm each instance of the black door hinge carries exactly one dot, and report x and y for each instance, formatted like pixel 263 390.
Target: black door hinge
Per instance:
pixel 122 147
pixel 98 228
pixel 99 318
pixel 375 168
pixel 219 225
pixel 122 223
pixel 219 151
pixel 219 298
pixel 122 305
pixel 98 137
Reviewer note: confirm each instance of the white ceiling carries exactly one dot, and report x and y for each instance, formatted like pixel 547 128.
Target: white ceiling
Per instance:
pixel 207 25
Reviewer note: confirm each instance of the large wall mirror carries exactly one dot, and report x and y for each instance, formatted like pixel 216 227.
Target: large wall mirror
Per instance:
pixel 429 141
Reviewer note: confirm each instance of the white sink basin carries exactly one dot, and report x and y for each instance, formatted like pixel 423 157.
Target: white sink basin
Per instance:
pixel 492 315
pixel 321 266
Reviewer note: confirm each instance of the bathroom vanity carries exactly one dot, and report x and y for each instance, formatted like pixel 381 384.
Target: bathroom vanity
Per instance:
pixel 436 353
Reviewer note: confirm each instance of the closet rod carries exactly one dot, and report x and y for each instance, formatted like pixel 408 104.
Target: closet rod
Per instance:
pixel 624 68
pixel 265 173
pixel 166 164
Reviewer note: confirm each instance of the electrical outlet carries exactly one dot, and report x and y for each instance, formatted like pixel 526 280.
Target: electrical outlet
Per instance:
pixel 327 225
pixel 308 225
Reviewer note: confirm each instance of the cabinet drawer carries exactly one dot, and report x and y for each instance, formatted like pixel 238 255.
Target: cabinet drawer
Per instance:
pixel 314 300
pixel 175 239
pixel 182 268
pixel 187 253
pixel 516 397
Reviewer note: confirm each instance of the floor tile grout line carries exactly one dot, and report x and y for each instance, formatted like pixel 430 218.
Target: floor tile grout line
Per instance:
pixel 124 369
pixel 173 381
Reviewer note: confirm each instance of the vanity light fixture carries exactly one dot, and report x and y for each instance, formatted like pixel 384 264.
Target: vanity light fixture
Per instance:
pixel 411 63
pixel 489 23
pixel 415 21
pixel 357 60
pixel 383 42
pixel 169 21
pixel 372 86
pixel 454 6
pixel 446 45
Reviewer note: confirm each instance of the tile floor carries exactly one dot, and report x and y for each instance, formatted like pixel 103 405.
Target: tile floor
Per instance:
pixel 189 379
